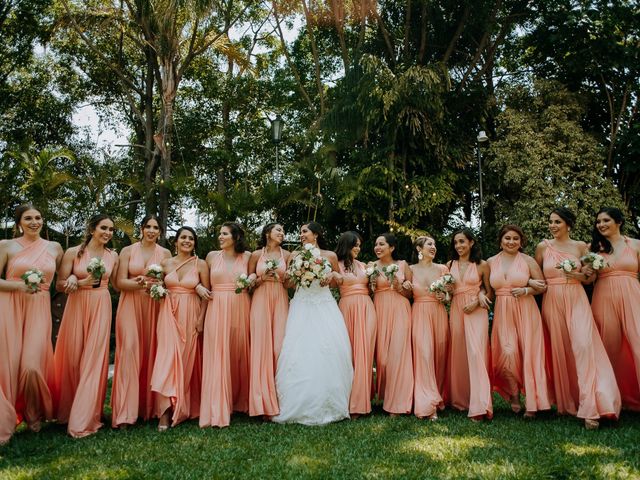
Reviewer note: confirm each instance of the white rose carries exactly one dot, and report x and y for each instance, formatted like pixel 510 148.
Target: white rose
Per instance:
pixel 308 276
pixel 567 267
pixel 315 252
pixel 33 278
pixel 308 246
pixel 316 268
pixel 306 264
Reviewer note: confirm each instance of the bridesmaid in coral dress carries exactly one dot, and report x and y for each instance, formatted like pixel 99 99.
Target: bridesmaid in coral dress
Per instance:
pixel 226 355
pixel 583 379
pixel 517 337
pixel 82 351
pixel 469 357
pixel 180 321
pixel 616 302
pixel 394 365
pixel 430 334
pixel 360 319
pixel 26 354
pixel 269 308
pixel 136 321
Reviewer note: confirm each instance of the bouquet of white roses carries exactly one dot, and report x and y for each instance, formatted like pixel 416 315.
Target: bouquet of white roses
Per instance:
pixel 158 291
pixel 96 269
pixel 597 261
pixel 33 279
pixel 155 271
pixel 441 284
pixel 390 271
pixel 242 282
pixel 372 273
pixel 308 265
pixel 271 264
pixel 567 265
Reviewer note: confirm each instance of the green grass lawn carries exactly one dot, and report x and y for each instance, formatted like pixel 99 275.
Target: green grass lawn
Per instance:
pixel 371 447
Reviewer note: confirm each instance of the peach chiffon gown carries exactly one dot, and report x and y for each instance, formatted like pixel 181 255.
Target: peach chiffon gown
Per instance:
pixel 583 380
pixel 430 339
pixel 136 323
pixel 268 318
pixel 616 309
pixel 178 354
pixel 226 355
pixel 82 351
pixel 394 365
pixel 469 355
pixel 26 362
pixel 517 338
pixel 360 319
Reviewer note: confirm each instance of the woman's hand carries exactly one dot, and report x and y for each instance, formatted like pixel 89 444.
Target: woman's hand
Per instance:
pixel 86 281
pixel 483 301
pixel 71 284
pixel 470 307
pixel 202 292
pixel 520 291
pixel 539 285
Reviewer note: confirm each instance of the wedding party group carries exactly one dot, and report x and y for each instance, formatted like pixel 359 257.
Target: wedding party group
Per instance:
pixel 204 338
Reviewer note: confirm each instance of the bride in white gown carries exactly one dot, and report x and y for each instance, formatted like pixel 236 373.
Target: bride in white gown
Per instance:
pixel 315 372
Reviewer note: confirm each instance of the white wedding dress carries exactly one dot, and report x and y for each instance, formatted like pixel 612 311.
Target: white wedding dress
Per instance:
pixel 315 370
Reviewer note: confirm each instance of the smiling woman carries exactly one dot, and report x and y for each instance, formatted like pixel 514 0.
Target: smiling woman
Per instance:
pixel 82 350
pixel 136 322
pixel 26 356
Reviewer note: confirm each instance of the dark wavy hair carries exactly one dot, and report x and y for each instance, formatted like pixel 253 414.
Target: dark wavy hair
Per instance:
pixel 512 228
pixel 193 232
pixel 346 242
pixel 392 241
pixel 266 230
pixel 237 233
pixel 146 219
pixel 17 216
pixel 92 224
pixel 565 214
pixel 419 242
pixel 475 255
pixel 316 228
pixel 600 243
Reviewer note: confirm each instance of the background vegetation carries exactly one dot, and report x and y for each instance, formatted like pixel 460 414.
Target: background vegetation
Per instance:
pixel 382 102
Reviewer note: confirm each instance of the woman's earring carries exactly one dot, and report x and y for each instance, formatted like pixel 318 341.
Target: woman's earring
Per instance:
pixel 420 256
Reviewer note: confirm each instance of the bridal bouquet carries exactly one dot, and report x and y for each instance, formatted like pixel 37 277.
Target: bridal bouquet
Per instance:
pixel 158 291
pixel 155 271
pixel 597 261
pixel 242 282
pixel 96 269
pixel 390 271
pixel 308 265
pixel 33 279
pixel 441 284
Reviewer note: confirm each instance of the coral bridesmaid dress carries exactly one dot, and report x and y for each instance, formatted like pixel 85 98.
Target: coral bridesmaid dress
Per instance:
pixel 583 380
pixel 26 368
pixel 394 365
pixel 430 336
pixel 269 308
pixel 360 319
pixel 616 309
pixel 226 356
pixel 82 351
pixel 517 338
pixel 178 351
pixel 469 355
pixel 136 323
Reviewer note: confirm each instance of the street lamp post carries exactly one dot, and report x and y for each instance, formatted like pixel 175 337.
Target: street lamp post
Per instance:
pixel 276 137
pixel 481 138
